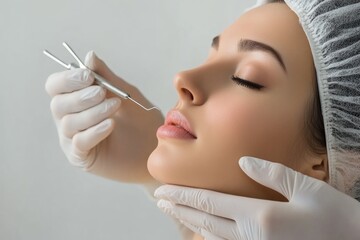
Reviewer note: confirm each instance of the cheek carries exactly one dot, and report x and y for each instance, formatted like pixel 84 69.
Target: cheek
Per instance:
pixel 233 130
pixel 260 126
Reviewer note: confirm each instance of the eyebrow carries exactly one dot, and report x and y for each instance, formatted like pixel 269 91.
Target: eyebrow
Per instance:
pixel 251 45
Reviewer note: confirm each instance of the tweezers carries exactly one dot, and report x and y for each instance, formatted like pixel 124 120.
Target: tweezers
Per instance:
pixel 98 79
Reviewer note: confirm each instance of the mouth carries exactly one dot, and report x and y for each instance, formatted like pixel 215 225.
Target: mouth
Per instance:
pixel 176 126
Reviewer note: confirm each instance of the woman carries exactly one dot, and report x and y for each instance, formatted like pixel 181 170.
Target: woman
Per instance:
pixel 255 95
pixel 291 147
pixel 315 210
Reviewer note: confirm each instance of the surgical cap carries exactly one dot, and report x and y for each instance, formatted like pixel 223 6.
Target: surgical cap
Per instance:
pixel 333 31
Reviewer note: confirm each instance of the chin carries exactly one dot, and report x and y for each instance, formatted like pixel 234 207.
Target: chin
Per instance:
pixel 224 178
pixel 154 166
pixel 164 169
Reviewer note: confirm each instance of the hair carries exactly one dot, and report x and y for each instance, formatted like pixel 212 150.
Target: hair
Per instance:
pixel 314 123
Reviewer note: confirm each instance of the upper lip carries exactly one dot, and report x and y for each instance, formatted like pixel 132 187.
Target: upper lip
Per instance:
pixel 176 118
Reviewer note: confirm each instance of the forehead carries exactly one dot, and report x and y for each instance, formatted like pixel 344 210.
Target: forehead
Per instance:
pixel 277 26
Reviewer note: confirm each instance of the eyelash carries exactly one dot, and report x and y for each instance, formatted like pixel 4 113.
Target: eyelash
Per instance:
pixel 246 83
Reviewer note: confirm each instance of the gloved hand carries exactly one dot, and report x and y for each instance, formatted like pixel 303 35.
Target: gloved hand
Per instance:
pixel 315 209
pixel 98 131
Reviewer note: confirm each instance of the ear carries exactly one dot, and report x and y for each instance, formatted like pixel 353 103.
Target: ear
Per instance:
pixel 316 166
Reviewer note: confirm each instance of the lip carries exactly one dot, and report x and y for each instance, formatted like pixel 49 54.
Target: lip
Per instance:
pixel 176 126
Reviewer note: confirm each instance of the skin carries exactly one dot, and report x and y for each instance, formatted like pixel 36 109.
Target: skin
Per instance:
pixel 232 120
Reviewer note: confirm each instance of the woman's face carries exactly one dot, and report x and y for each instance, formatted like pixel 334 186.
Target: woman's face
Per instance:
pixel 249 98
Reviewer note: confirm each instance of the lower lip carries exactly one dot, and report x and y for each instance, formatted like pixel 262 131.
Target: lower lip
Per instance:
pixel 171 131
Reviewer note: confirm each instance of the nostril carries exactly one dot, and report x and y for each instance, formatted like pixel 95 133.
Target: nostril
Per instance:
pixel 187 94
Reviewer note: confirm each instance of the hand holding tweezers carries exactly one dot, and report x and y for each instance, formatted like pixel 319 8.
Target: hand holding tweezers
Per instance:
pixel 98 79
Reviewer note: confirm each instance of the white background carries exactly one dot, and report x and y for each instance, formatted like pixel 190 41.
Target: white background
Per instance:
pixel 144 41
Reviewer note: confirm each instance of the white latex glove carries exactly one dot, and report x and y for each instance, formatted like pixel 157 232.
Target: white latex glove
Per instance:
pixel 96 132
pixel 315 209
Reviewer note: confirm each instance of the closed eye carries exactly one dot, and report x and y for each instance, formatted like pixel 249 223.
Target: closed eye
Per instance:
pixel 246 83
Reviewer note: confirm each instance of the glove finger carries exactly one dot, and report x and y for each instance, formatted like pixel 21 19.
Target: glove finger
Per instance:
pixel 75 157
pixel 214 203
pixel 83 144
pixel 219 226
pixel 86 140
pixel 74 123
pixel 81 159
pixel 68 81
pixel 273 175
pixel 64 104
pixel 93 62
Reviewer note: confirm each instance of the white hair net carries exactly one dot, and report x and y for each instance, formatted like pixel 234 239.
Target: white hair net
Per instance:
pixel 333 30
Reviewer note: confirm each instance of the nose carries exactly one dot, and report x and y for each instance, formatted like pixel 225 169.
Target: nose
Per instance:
pixel 196 85
pixel 188 86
